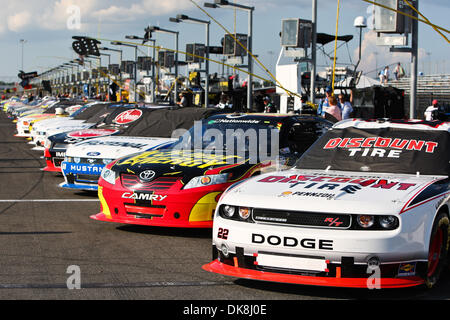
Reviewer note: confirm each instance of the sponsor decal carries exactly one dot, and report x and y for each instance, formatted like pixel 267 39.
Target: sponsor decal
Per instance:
pixel 234 121
pixel 308 194
pixel 93 154
pixel 407 269
pixel 333 222
pixel 175 157
pixel 433 191
pixel 376 146
pixel 114 144
pixel 291 242
pixel 147 175
pixel 60 154
pixel 91 133
pixel 333 183
pixel 79 168
pixel 128 116
pixel 143 196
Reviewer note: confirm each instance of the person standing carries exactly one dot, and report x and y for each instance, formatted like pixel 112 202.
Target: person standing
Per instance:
pixel 381 76
pixel 183 100
pixel 333 108
pixel 268 106
pixel 399 72
pixel 431 112
pixel 346 107
pixel 324 103
pixel 386 74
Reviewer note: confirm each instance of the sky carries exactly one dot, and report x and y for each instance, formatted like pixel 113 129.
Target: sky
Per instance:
pixel 48 27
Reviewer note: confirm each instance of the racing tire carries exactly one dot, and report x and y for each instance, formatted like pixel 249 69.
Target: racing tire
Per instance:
pixel 438 249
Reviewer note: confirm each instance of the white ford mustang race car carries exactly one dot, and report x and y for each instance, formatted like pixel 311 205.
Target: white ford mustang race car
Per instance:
pixel 366 206
pixel 85 160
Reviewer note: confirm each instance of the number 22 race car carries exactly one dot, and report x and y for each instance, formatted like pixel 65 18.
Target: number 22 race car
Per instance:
pixel 366 206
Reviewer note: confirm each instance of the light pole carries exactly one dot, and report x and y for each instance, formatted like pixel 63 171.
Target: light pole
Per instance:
pixel 76 63
pixel 120 58
pixel 224 3
pixel 313 51
pixel 89 78
pixel 153 62
pixel 118 43
pixel 109 57
pixel 99 58
pixel 360 23
pixel 70 65
pixel 181 18
pixel 64 74
pixel 176 33
pixel 22 41
pixel 66 67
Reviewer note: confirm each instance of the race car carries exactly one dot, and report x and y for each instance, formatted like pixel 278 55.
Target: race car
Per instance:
pixel 117 120
pixel 180 186
pixel 367 206
pixel 85 160
pixel 55 145
pixel 55 111
pixel 84 118
pixel 83 172
pixel 17 109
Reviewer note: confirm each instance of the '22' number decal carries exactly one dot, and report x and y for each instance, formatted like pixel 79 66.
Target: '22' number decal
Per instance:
pixel 223 234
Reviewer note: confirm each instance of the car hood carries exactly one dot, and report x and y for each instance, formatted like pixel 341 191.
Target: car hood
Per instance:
pixel 35 117
pixel 66 127
pixel 331 192
pixel 54 122
pixel 184 164
pixel 114 147
pixel 81 135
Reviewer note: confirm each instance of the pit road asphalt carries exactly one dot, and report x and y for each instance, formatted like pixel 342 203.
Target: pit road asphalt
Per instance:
pixel 41 237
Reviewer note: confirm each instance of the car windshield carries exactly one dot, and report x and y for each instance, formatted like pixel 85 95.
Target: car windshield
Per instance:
pixel 384 150
pixel 225 134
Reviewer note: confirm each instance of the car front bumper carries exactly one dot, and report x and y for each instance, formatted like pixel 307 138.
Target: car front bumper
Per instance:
pixel 179 208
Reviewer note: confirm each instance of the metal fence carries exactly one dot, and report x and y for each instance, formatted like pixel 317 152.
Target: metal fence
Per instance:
pixel 429 87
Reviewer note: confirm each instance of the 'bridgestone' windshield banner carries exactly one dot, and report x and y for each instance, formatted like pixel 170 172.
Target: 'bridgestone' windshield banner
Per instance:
pixel 381 150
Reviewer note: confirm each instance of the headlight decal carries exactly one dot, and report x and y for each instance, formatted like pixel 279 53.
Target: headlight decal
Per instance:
pixel 104 204
pixel 203 210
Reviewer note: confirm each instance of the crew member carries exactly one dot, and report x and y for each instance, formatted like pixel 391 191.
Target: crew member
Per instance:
pixel 268 106
pixel 431 112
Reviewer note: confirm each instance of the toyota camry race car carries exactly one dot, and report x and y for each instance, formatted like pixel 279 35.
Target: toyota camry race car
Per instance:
pixel 85 160
pixel 365 206
pixel 180 186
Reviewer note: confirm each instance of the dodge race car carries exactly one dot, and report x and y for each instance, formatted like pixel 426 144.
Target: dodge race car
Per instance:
pixel 85 160
pixel 180 186
pixel 366 206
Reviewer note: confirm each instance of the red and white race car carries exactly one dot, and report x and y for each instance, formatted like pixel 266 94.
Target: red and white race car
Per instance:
pixel 366 206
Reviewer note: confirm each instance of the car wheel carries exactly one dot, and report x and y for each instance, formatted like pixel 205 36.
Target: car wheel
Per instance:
pixel 438 250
